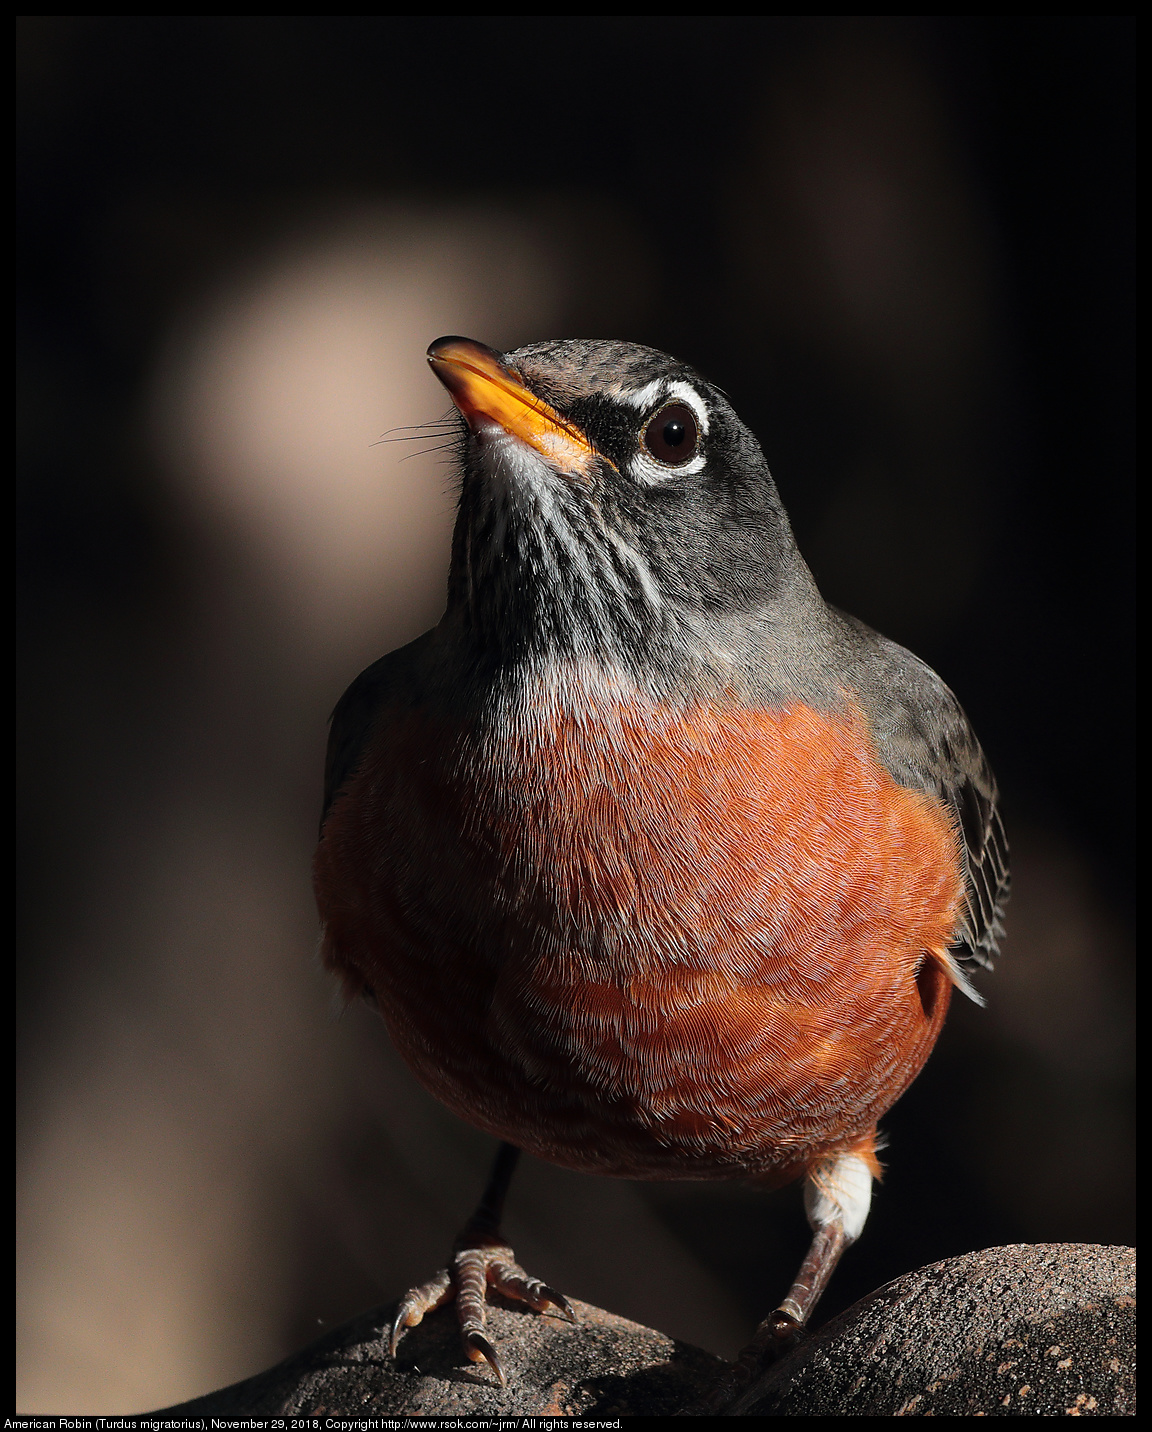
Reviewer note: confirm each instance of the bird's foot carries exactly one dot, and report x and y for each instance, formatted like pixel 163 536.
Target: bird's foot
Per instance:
pixel 480 1260
pixel 774 1339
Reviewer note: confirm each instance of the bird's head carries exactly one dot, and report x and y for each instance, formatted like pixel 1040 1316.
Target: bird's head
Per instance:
pixel 613 505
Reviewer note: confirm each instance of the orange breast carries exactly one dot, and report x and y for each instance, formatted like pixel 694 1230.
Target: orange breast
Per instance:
pixel 646 940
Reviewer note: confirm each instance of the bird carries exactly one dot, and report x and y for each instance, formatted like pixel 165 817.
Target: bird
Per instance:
pixel 655 864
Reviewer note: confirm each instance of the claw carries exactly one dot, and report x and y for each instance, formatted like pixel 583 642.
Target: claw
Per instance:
pixel 424 1299
pixel 481 1350
pixel 476 1268
pixel 408 1314
pixel 507 1277
pixel 558 1301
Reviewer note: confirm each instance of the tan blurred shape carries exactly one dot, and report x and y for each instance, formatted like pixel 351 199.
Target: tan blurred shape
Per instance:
pixel 272 403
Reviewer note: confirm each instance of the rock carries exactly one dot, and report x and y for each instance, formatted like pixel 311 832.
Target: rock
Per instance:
pixel 1024 1331
pixel 604 1366
pixel 1040 1331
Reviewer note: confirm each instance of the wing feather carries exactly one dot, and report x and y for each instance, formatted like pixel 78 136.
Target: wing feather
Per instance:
pixel 927 743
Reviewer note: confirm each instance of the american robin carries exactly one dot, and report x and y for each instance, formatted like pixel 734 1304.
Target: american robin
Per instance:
pixel 655 864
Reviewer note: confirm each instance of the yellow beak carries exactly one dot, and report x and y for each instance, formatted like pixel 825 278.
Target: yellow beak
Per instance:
pixel 486 392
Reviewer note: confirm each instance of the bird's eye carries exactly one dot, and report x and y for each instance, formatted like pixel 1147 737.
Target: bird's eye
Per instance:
pixel 673 435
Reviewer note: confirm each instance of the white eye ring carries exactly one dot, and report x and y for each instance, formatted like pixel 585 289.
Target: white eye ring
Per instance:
pixel 650 473
pixel 651 400
pixel 657 394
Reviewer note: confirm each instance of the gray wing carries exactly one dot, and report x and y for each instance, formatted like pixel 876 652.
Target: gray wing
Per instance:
pixel 964 779
pixel 357 711
pixel 927 743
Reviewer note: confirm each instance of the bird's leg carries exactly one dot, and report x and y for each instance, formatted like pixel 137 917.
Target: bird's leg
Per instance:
pixel 491 1206
pixel 837 1194
pixel 480 1256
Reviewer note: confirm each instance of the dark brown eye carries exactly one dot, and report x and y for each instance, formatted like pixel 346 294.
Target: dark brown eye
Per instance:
pixel 672 436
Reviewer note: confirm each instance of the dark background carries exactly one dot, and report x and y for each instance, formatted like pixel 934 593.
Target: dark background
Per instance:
pixel 902 245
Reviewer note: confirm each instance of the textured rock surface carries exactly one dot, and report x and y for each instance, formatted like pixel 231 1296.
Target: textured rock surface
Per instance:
pixel 1040 1331
pixel 604 1366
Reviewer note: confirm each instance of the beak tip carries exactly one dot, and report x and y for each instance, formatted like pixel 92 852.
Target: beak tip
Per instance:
pixel 452 346
pixel 434 348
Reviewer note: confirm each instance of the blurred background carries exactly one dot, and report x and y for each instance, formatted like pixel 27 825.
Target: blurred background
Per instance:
pixel 903 245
